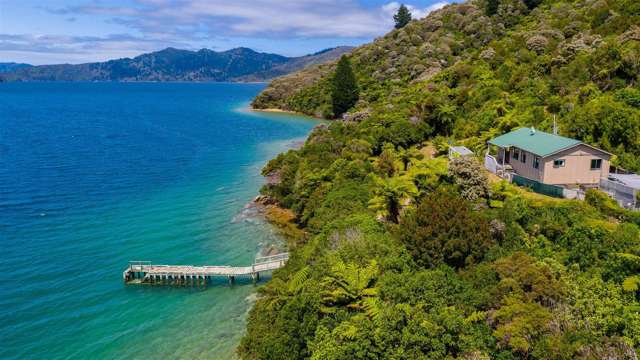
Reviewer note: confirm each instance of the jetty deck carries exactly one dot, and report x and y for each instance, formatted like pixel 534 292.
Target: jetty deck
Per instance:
pixel 144 272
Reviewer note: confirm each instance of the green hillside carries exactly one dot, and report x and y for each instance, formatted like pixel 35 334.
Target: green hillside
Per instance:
pixel 408 256
pixel 460 73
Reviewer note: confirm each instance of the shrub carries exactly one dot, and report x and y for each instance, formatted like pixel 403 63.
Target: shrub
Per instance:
pixel 444 229
pixel 537 43
pixel 603 202
pixel 467 173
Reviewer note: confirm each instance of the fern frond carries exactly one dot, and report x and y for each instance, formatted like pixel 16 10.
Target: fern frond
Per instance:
pixel 298 280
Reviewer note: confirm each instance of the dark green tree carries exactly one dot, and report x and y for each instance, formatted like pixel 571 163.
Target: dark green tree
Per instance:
pixel 402 17
pixel 532 4
pixel 444 229
pixel 344 92
pixel 491 7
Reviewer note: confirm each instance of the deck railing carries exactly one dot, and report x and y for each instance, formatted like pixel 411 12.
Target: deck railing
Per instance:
pixel 491 164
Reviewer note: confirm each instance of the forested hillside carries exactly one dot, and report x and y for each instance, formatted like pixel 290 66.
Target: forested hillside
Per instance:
pixel 240 64
pixel 406 255
pixel 464 74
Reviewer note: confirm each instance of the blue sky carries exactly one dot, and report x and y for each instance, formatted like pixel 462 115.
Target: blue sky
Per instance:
pixel 76 31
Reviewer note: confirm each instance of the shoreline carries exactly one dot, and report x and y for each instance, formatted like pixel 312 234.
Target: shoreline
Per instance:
pixel 281 219
pixel 287 112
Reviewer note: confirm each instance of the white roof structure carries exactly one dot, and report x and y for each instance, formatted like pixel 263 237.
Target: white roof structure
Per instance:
pixel 461 150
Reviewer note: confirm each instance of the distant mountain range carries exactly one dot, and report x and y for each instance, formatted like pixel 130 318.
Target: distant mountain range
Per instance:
pixel 238 65
pixel 11 66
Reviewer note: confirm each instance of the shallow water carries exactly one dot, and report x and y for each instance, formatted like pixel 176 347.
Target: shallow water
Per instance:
pixel 93 175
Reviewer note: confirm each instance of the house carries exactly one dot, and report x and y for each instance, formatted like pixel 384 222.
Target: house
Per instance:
pixel 548 159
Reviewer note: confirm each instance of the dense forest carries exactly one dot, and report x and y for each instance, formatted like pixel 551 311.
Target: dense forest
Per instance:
pixel 404 254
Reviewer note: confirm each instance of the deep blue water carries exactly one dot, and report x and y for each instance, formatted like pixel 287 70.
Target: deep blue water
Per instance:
pixel 93 175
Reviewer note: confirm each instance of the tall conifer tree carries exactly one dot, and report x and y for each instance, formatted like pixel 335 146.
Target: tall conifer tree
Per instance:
pixel 344 92
pixel 491 7
pixel 403 17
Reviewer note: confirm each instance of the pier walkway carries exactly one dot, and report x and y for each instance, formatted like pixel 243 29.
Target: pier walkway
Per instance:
pixel 143 272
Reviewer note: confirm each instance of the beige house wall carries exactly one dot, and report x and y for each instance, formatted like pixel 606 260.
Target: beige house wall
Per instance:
pixel 577 169
pixel 526 168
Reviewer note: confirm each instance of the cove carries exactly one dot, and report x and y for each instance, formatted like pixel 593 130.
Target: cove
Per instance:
pixel 93 175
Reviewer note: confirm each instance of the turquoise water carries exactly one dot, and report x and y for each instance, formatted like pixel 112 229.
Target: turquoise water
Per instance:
pixel 93 175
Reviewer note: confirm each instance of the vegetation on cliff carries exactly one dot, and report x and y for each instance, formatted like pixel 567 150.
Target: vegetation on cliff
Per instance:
pixel 410 256
pixel 471 76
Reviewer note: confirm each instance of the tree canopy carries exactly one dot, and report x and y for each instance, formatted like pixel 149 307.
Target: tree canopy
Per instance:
pixel 410 255
pixel 402 17
pixel 344 94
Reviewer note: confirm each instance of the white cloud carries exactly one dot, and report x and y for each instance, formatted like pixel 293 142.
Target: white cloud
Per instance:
pixel 76 48
pixel 154 24
pixel 269 18
pixel 417 13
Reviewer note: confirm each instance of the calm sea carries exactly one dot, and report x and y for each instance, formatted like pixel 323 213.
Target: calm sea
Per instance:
pixel 93 175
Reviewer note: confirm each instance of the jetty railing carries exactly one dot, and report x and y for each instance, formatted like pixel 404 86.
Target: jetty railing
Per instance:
pixel 271 258
pixel 144 272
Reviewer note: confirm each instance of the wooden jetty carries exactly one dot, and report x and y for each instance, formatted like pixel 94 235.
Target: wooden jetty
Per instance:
pixel 143 272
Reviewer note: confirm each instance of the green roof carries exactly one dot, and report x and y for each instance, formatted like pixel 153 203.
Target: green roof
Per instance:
pixel 534 141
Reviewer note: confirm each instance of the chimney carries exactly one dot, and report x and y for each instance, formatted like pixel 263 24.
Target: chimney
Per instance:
pixel 533 131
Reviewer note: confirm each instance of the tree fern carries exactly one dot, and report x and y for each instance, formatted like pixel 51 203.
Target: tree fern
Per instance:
pixel 631 284
pixel 298 279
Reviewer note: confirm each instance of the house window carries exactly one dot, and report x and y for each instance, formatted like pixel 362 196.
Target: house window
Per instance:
pixel 558 163
pixel 523 158
pixel 596 164
pixel 536 162
pixel 516 154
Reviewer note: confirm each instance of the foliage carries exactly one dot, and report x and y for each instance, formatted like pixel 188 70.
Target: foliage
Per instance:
pixel 491 7
pixel 528 277
pixel 607 205
pixel 390 195
pixel 344 90
pixel 470 177
pixel 443 229
pixel 469 76
pixel 351 287
pixel 531 4
pixel 402 17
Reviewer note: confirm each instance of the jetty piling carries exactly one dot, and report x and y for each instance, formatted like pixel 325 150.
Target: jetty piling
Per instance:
pixel 144 272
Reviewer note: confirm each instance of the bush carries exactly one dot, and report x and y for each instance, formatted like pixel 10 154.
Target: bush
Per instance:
pixel 444 229
pixel 467 173
pixel 603 202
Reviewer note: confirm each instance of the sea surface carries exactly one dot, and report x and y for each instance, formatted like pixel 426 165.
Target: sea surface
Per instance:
pixel 93 175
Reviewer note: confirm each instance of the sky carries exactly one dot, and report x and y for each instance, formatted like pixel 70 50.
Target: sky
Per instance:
pixel 78 31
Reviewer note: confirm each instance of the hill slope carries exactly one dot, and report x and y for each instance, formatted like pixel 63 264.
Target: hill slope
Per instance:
pixel 409 256
pixel 11 66
pixel 171 64
pixel 470 76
